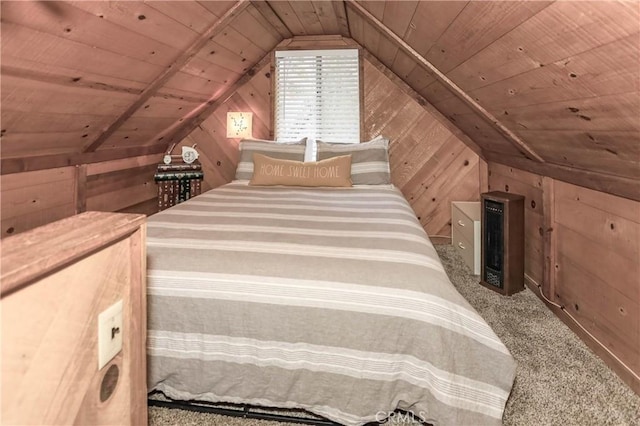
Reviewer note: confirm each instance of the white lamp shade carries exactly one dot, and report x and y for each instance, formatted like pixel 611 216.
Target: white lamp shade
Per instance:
pixel 239 124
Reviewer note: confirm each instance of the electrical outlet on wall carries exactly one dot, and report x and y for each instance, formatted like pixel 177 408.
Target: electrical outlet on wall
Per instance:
pixel 109 333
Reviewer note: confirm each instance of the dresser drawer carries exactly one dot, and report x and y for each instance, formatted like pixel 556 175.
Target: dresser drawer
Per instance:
pixel 465 232
pixel 463 217
pixel 468 250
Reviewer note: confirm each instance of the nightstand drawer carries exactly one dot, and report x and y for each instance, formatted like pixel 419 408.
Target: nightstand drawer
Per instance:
pixel 462 223
pixel 468 250
pixel 465 232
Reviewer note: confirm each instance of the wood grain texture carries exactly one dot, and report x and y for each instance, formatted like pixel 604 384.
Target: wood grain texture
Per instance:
pixel 83 234
pixel 272 18
pixel 617 185
pixel 550 239
pixel 55 281
pixel 285 12
pixel 122 188
pixel 601 113
pixel 559 31
pixel 491 20
pixel 442 78
pixel 35 198
pixel 25 43
pixel 84 73
pixel 36 111
pixel 169 72
pixel 179 130
pixel 42 162
pixel 430 20
pixel 220 154
pixel 606 70
pixel 582 247
pixel 405 88
pixel 428 159
pixel 561 77
pixel 613 152
pixel 597 266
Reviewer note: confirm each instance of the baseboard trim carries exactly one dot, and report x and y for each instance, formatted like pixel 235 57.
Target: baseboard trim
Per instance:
pixel 601 351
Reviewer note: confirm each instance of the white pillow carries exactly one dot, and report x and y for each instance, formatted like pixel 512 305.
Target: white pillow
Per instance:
pixel 369 160
pixel 310 151
pixel 281 150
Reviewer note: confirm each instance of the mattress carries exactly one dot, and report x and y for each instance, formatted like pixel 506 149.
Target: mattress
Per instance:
pixel 330 300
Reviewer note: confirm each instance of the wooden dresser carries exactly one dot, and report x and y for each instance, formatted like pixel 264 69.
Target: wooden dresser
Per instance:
pixel 465 232
pixel 56 280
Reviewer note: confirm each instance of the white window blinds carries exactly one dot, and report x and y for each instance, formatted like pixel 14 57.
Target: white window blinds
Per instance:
pixel 317 95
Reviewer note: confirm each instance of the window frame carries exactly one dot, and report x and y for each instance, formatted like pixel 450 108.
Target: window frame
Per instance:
pixel 312 47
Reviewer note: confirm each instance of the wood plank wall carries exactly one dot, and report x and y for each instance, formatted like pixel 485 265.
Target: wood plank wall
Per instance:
pixel 125 185
pixel 97 85
pixel 597 265
pixel 35 198
pixel 583 248
pixel 32 199
pixel 72 70
pixel 429 162
pixel 219 154
pixel 560 77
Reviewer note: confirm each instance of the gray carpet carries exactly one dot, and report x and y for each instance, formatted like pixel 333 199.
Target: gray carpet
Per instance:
pixel 559 380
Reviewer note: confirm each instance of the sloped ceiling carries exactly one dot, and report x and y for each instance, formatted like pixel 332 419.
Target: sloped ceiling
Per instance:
pixel 550 87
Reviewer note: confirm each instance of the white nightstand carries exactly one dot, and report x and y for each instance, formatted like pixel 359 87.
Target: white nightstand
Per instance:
pixel 465 232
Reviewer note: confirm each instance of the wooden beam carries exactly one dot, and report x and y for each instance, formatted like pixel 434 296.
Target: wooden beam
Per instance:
pixel 40 162
pixel 181 130
pixel 443 79
pixel 317 42
pixel 616 185
pixel 408 90
pixel 343 19
pixel 169 72
pixel 270 15
pixel 483 175
pixel 549 239
pixel 81 188
pixel 25 259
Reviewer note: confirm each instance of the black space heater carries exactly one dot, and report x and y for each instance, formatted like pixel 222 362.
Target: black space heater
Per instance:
pixel 502 252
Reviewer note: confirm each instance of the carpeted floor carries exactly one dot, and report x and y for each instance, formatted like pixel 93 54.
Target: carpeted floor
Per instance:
pixel 559 380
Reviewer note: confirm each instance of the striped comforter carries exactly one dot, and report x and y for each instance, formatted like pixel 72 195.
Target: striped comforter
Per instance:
pixel 331 300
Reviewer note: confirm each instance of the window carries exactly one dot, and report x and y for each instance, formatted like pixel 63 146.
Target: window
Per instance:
pixel 317 95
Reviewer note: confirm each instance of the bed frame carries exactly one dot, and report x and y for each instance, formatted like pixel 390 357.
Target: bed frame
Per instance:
pixel 251 411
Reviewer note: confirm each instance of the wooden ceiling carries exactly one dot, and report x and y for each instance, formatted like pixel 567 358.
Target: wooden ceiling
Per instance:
pixel 549 87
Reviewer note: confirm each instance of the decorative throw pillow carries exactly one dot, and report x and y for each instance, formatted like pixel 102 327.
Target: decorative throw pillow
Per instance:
pixel 369 160
pixel 282 150
pixel 333 172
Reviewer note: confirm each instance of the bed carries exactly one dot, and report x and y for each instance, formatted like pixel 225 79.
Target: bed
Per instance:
pixel 332 300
